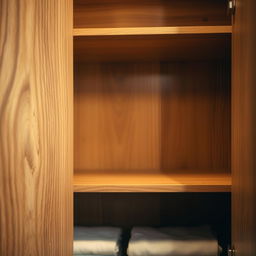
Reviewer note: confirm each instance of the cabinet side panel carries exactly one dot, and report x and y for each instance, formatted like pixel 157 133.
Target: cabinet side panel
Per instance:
pixel 36 127
pixel 244 129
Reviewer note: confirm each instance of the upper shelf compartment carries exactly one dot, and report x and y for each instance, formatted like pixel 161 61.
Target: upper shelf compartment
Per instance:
pixel 151 30
pixel 152 44
pixel 149 13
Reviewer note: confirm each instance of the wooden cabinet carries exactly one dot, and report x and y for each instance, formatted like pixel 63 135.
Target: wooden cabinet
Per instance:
pixel 157 113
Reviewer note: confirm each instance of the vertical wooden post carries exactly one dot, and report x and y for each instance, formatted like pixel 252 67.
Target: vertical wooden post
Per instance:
pixel 36 128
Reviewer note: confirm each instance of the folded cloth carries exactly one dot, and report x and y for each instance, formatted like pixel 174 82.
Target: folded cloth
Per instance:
pixel 96 241
pixel 169 241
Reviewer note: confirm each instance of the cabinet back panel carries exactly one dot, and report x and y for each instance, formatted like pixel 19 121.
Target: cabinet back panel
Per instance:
pixel 117 117
pixel 152 116
pixel 195 128
pixel 146 13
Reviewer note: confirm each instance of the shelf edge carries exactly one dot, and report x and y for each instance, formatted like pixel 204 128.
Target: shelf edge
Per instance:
pixel 130 31
pixel 151 188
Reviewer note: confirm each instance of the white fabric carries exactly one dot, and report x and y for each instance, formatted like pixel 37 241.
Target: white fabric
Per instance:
pixel 194 241
pixel 96 240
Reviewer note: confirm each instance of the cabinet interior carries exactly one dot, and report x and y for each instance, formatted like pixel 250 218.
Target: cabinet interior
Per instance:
pixel 152 113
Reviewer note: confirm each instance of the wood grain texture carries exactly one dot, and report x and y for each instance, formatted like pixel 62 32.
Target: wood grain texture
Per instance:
pixel 179 181
pixel 155 209
pixel 152 47
pixel 148 13
pixel 196 116
pixel 158 117
pixel 117 121
pixel 244 129
pixel 36 128
pixel 152 31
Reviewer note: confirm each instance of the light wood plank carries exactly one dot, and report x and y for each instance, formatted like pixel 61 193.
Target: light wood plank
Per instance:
pixel 36 105
pixel 179 181
pixel 152 31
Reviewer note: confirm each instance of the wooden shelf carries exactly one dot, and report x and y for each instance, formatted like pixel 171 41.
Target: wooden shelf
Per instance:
pixel 135 31
pixel 152 182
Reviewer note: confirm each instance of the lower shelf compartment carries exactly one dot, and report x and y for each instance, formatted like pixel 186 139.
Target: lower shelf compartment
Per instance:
pixel 182 181
pixel 155 211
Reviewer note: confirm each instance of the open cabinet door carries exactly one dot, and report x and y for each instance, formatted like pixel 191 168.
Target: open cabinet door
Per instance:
pixel 244 129
pixel 36 128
